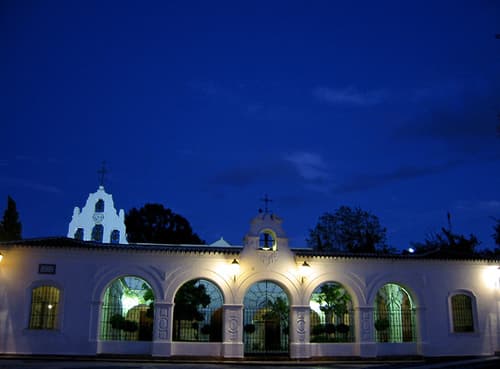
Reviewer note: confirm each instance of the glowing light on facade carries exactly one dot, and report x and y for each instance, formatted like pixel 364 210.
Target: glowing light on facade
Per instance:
pixel 491 277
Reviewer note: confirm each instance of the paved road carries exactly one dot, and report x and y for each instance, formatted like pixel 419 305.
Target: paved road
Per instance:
pixel 24 363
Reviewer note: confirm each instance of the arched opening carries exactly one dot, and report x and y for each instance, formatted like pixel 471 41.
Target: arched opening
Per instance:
pixel 198 312
pixel 394 314
pixel 267 240
pixel 115 236
pixel 97 233
pixel 332 316
pixel 99 206
pixel 266 319
pixel 79 234
pixel 128 310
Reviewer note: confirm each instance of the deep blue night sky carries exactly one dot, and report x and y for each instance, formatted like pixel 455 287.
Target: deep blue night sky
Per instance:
pixel 206 106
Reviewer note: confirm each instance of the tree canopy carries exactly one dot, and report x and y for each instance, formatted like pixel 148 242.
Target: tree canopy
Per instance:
pixel 154 223
pixel 333 300
pixel 10 226
pixel 449 244
pixel 188 299
pixel 348 230
pixel 496 235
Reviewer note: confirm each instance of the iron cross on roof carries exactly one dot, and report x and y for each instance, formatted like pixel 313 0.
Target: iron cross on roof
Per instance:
pixel 266 201
pixel 102 172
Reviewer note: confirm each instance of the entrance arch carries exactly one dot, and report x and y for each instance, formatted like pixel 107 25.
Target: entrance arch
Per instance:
pixel 198 312
pixel 127 311
pixel 394 314
pixel 266 319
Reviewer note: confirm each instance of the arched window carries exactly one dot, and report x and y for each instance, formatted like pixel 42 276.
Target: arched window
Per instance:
pixel 462 313
pixel 97 233
pixel 332 316
pixel 115 236
pixel 79 234
pixel 99 206
pixel 128 310
pixel 394 315
pixel 198 312
pixel 44 307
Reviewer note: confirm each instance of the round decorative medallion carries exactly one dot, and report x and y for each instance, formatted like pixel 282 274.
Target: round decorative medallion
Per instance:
pixel 98 218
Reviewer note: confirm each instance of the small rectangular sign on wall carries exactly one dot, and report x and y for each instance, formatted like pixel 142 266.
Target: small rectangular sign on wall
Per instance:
pixel 46 268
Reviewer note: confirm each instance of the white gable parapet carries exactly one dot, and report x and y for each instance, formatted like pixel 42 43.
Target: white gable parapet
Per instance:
pixel 98 220
pixel 266 233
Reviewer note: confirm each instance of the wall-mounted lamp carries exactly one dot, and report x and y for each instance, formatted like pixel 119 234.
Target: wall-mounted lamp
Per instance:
pixel 305 269
pixel 1 257
pixel 235 268
pixel 491 277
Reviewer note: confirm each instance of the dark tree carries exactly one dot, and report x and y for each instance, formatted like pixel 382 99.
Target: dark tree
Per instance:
pixel 496 235
pixel 154 223
pixel 333 300
pixel 10 226
pixel 348 230
pixel 188 300
pixel 448 244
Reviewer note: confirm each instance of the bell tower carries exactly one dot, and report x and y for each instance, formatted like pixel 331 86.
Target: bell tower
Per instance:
pixel 98 220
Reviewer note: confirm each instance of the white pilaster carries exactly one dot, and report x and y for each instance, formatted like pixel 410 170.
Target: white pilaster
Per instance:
pixel 162 329
pixel 300 332
pixel 365 331
pixel 232 345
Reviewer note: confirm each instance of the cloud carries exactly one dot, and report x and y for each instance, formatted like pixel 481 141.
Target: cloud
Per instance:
pixel 245 175
pixel 466 122
pixel 300 169
pixel 349 96
pixel 366 182
pixel 310 166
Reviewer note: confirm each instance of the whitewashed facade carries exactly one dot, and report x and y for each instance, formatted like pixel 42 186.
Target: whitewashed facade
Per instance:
pixel 53 293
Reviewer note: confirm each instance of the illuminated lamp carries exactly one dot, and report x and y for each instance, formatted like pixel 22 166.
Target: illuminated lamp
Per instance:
pixel 235 268
pixel 305 269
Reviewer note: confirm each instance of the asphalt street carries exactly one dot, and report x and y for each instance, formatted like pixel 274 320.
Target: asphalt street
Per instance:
pixel 37 363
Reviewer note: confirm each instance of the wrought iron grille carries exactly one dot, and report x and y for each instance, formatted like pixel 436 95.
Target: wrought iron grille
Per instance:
pixel 339 329
pixel 134 325
pixel 265 332
pixel 208 329
pixel 266 319
pixel 44 307
pixel 395 326
pixel 127 313
pixel 198 312
pixel 461 310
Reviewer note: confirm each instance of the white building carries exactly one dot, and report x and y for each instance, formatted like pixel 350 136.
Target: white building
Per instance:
pixel 74 297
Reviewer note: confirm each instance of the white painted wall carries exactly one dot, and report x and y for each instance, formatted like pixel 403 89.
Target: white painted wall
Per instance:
pixel 83 274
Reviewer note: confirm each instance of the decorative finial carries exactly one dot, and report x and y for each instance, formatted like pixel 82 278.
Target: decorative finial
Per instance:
pixel 266 201
pixel 102 172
